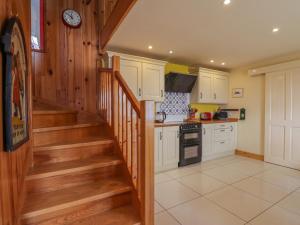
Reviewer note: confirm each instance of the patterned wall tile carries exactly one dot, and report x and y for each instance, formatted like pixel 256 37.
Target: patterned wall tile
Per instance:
pixel 175 103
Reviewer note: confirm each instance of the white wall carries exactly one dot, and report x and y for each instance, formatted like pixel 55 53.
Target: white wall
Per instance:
pixel 250 131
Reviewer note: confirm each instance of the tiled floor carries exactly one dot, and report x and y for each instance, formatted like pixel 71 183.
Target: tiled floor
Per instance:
pixel 228 191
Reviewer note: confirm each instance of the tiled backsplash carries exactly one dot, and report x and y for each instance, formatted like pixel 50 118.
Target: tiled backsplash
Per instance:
pixel 175 103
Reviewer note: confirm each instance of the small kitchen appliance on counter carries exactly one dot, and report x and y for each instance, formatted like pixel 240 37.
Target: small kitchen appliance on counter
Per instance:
pixel 160 117
pixel 220 115
pixel 206 116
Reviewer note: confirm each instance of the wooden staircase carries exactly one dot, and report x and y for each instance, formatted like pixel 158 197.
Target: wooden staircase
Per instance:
pixel 77 175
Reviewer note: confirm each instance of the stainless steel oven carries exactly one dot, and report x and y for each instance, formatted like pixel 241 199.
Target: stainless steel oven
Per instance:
pixel 190 144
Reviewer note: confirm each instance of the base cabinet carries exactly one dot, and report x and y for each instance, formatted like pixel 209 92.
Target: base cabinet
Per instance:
pixel 218 140
pixel 166 148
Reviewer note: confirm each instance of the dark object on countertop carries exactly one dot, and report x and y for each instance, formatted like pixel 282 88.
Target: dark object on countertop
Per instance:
pixel 242 114
pixel 160 117
pixel 176 82
pixel 221 115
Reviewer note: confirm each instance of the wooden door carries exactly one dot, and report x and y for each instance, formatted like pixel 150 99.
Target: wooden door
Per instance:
pixel 276 118
pixel 220 89
pixel 158 149
pixel 205 87
pixel 170 147
pixel 153 82
pixel 132 73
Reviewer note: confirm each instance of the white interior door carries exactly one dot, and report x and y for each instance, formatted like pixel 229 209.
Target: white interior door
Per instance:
pixel 220 89
pixel 276 118
pixel 205 87
pixel 132 73
pixel 153 82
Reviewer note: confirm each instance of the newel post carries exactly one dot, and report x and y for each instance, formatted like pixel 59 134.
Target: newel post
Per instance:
pixel 147 162
pixel 114 93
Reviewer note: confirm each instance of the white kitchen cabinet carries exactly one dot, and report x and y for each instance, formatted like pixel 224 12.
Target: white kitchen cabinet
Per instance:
pixel 218 140
pixel 166 148
pixel 211 87
pixel 153 82
pixel 158 149
pixel 145 77
pixel 133 71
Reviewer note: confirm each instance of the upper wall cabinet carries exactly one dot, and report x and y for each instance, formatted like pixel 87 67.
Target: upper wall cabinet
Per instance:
pixel 145 77
pixel 211 87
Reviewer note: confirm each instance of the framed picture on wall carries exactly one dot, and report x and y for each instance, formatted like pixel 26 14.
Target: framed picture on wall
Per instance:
pixel 238 92
pixel 15 93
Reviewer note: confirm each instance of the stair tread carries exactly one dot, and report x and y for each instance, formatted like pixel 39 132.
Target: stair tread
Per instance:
pixel 43 203
pixel 126 215
pixel 56 169
pixel 87 141
pixel 79 124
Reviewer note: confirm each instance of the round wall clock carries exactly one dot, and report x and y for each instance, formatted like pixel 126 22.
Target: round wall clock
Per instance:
pixel 71 18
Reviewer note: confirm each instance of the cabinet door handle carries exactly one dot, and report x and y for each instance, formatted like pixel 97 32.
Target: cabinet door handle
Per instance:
pixel 140 92
pixel 201 95
pixel 160 135
pixel 177 134
pixel 231 128
pixel 162 93
pixel 215 95
pixel 204 131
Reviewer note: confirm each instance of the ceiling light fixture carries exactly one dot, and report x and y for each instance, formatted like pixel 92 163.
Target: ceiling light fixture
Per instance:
pixel 227 2
pixel 212 61
pixel 150 47
pixel 171 52
pixel 223 63
pixel 275 29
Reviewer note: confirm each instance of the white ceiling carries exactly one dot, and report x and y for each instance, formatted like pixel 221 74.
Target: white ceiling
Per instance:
pixel 200 30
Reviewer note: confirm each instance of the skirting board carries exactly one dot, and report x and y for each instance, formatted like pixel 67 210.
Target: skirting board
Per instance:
pixel 249 155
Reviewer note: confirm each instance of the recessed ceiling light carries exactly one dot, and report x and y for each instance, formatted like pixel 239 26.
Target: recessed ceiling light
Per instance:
pixel 150 47
pixel 275 29
pixel 171 52
pixel 227 2
pixel 223 63
pixel 212 61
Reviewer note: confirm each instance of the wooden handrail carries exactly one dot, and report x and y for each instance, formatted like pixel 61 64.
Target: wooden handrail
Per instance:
pixel 132 124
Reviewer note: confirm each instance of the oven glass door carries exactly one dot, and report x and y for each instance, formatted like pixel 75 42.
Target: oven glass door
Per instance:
pixel 191 137
pixel 190 154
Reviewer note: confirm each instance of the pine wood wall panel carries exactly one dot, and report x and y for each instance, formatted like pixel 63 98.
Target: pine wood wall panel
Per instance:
pixel 13 166
pixel 66 72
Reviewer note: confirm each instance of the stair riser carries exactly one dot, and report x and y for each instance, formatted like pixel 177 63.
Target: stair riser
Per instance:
pixel 52 137
pixel 71 215
pixel 71 154
pixel 54 120
pixel 71 180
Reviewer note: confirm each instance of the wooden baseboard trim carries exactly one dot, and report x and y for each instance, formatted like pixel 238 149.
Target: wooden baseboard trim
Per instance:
pixel 249 155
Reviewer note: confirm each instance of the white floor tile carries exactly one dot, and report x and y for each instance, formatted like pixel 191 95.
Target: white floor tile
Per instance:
pixel 201 183
pixel 281 179
pixel 247 167
pixel 262 189
pixel 165 219
pixel 203 212
pixel 276 216
pixel 157 208
pixel 226 174
pixel 162 177
pixel 204 166
pixel 241 204
pixel 292 202
pixel 180 172
pixel 172 193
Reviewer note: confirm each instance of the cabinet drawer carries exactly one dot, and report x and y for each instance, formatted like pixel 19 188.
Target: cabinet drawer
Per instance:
pixel 222 145
pixel 222 134
pixel 223 126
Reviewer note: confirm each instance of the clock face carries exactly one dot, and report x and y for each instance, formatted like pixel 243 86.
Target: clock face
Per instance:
pixel 71 18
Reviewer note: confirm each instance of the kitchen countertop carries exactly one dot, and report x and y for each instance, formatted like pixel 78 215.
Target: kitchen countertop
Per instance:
pixel 169 124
